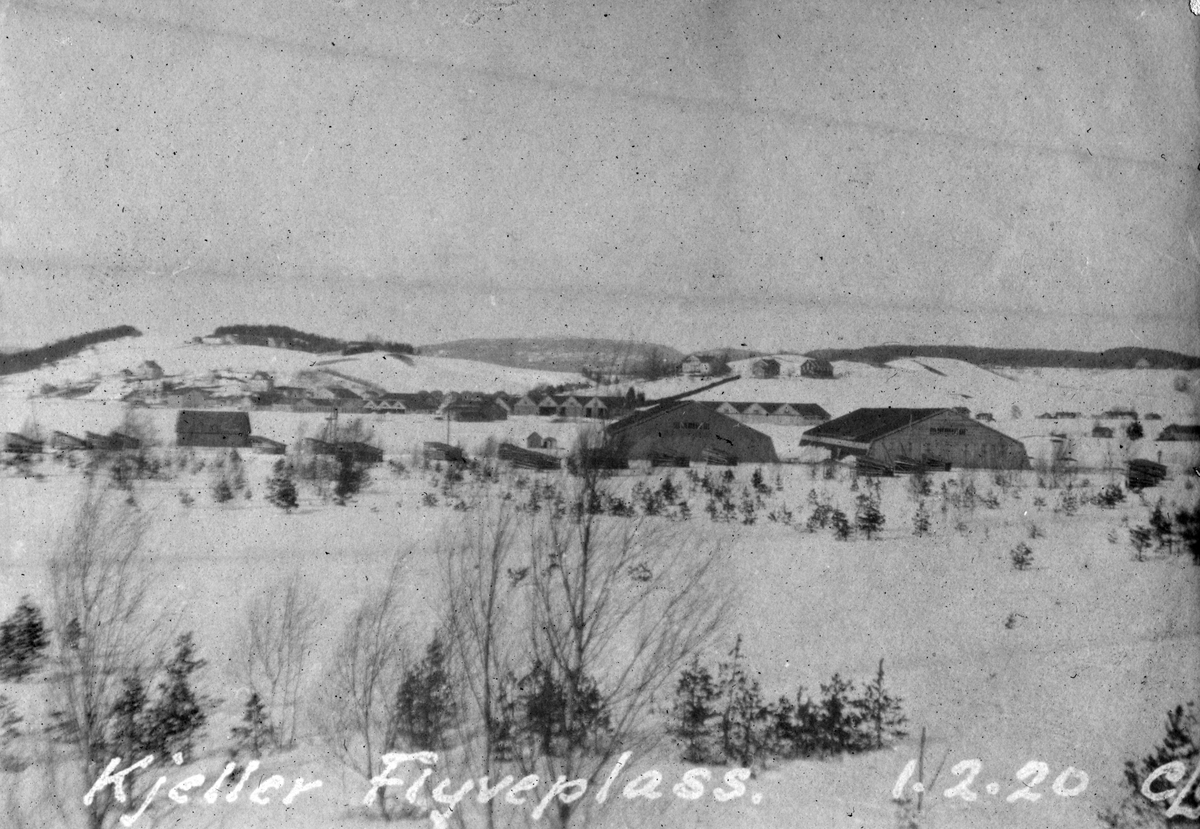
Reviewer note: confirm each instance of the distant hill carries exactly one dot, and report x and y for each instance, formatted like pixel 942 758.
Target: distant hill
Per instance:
pixel 284 337
pixel 1113 358
pixel 21 360
pixel 559 353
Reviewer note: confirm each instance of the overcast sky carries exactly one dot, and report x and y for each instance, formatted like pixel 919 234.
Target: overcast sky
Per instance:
pixel 784 175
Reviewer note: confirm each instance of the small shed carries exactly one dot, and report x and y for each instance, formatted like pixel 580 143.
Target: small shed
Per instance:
pixel 217 429
pixel 534 441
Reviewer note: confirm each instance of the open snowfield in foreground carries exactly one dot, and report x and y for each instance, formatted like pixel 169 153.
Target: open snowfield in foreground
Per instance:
pixel 1096 649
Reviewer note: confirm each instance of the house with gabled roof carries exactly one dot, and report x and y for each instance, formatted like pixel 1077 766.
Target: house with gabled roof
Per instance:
pixel 886 436
pixel 765 368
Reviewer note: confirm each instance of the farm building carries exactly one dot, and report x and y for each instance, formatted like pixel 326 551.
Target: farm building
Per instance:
pixel 112 442
pixel 443 452
pixel 526 458
pixel 224 430
pixel 1176 432
pixel 357 450
pixel 926 435
pixel 687 429
pixel 525 406
pixel 816 367
pixel 67 443
pixel 20 445
pixel 765 368
pixel 697 365
pixel 474 411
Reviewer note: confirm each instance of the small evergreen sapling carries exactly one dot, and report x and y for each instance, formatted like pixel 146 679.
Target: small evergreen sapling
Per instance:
pixel 880 712
pixel 281 487
pixel 23 639
pixel 178 713
pixel 744 718
pixel 425 707
pixel 256 732
pixel 694 712
pixel 867 516
pixel 921 520
pixel 1022 556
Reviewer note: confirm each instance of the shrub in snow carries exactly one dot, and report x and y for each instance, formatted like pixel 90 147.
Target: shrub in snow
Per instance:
pixel 1189 531
pixel 841 525
pixel 1109 496
pixel 1022 556
pixel 23 638
pixel 921 520
pixel 868 518
pixel 1140 538
pixel 1180 746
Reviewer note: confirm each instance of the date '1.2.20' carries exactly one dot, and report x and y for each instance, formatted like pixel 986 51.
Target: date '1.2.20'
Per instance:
pixel 1072 782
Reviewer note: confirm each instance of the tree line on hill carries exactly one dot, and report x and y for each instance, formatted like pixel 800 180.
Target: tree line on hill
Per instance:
pixel 29 359
pixel 303 341
pixel 1113 358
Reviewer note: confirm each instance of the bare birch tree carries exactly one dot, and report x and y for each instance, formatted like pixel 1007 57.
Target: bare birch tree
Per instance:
pixel 354 712
pixel 608 610
pixel 104 631
pixel 279 631
pixel 483 622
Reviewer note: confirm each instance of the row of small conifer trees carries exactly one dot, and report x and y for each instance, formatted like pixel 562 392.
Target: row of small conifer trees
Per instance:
pixel 725 719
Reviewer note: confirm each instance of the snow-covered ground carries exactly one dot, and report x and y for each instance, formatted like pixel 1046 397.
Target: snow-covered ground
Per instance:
pixel 1074 662
pixel 190 361
pixel 1099 648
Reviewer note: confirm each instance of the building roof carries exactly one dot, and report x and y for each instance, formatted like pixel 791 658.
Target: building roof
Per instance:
pixel 867 425
pixel 212 423
pixel 642 415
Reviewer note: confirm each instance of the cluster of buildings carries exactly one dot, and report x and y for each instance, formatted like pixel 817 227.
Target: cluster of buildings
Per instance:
pixel 708 365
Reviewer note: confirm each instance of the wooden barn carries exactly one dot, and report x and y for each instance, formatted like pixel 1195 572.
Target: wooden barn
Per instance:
pixel 939 436
pixel 222 430
pixel 765 368
pixel 688 429
pixel 816 367
pixel 112 442
pixel 1175 431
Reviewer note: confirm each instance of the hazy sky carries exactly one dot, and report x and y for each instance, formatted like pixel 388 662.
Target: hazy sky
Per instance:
pixel 785 175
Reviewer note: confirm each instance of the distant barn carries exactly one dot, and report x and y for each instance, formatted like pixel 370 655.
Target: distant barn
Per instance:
pixel 222 430
pixel 1177 432
pixel 688 430
pixel 765 368
pixel 816 367
pixel 927 436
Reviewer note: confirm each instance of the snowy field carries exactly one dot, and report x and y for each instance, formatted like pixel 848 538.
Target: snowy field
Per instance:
pixel 1074 662
pixel 1098 653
